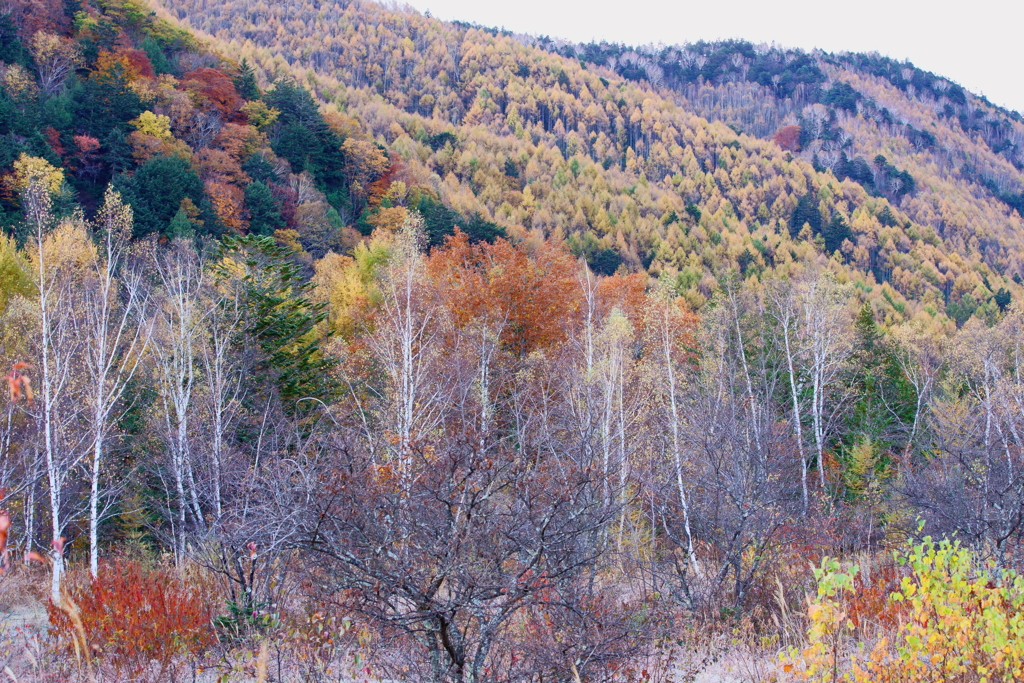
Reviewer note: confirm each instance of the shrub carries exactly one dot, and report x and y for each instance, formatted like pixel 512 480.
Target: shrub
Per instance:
pixel 829 627
pixel 134 617
pixel 959 620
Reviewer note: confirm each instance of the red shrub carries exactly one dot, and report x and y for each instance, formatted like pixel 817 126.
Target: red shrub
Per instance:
pixel 53 139
pixel 132 616
pixel 870 604
pixel 140 63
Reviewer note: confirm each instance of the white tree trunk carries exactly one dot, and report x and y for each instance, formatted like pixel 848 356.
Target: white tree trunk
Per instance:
pixel 177 328
pixel 115 334
pixel 667 341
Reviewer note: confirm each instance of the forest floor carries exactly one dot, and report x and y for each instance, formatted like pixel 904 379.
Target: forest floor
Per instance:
pixel 737 670
pixel 22 604
pixel 724 660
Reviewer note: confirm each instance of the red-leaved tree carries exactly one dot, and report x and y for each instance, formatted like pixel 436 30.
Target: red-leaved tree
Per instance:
pixel 788 138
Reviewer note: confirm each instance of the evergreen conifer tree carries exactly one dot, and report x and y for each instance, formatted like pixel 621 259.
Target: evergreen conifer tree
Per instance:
pixel 264 213
pixel 245 82
pixel 281 320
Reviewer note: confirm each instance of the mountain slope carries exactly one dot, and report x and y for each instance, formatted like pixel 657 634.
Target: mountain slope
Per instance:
pixel 626 170
pixel 848 105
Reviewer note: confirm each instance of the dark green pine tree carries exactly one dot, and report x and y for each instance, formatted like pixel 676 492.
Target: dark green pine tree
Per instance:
pixel 180 226
pixel 245 81
pixel 835 233
pixel 806 211
pixel 151 46
pixel 886 217
pixel 264 212
pixel 298 144
pixel 282 321
pixel 258 168
pixel 156 191
pixel 884 400
pixel 12 50
pixel 305 139
pixel 869 416
pixel 107 101
pixel 1003 298
pixel 117 153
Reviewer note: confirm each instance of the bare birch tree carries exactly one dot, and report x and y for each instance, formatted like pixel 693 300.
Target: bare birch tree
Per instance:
pixel 827 339
pixel 406 340
pixel 57 347
pixel 224 381
pixel 919 356
pixel 784 309
pixel 176 336
pixel 669 335
pixel 115 330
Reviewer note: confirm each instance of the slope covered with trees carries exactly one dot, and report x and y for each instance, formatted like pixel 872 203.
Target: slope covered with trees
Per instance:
pixel 914 186
pixel 111 93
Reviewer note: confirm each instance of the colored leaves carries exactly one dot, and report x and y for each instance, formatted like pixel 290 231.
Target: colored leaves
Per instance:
pixel 536 293
pixel 19 385
pixel 133 615
pixel 958 619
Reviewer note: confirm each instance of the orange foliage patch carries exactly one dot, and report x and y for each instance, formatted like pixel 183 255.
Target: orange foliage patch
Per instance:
pixel 533 294
pixel 18 383
pixel 229 203
pixel 239 141
pixel 216 164
pixel 870 604
pixel 626 293
pixel 379 188
pixel 215 86
pixel 134 63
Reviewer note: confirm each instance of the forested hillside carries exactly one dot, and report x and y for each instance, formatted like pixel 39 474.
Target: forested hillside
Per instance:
pixel 341 343
pixel 916 179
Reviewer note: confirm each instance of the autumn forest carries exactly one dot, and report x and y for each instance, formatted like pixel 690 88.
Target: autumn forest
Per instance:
pixel 341 343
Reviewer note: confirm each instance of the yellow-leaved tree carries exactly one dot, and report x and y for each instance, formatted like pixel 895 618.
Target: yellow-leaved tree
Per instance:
pixel 28 169
pixel 961 619
pixel 157 125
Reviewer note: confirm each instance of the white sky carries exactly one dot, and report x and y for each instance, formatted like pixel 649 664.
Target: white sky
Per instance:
pixel 976 44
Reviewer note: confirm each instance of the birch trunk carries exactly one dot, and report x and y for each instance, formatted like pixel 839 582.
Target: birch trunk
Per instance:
pixel 115 333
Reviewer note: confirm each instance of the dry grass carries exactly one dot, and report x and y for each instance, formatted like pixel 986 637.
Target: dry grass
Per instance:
pixel 23 587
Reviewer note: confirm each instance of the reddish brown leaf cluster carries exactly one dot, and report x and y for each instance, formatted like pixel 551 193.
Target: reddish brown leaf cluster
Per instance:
pixel 134 64
pixel 18 383
pixel 87 160
pixel 379 187
pixel 53 139
pixel 788 138
pixel 626 293
pixel 229 202
pixel 870 603
pixel 37 15
pixel 215 87
pixel 533 294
